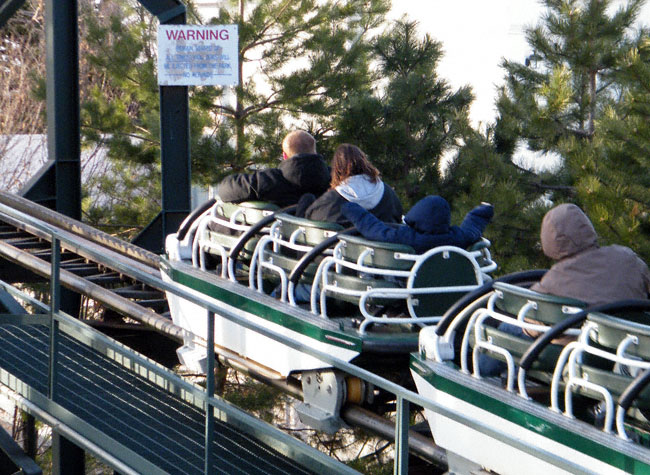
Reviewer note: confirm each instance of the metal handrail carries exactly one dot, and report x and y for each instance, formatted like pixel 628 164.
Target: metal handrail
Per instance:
pixel 404 396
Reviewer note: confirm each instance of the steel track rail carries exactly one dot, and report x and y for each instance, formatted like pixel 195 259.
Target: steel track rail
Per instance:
pixel 80 229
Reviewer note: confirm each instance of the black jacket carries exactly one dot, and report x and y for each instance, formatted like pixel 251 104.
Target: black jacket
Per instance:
pixel 328 208
pixel 304 173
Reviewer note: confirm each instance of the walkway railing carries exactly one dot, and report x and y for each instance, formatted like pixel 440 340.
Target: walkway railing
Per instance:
pixel 404 397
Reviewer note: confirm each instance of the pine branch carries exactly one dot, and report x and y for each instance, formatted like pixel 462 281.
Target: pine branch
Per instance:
pixel 126 134
pixel 543 187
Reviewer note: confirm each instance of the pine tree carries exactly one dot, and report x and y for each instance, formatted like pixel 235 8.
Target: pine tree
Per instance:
pixel 412 117
pixel 613 181
pixel 120 113
pixel 581 96
pixel 480 172
pixel 299 62
pixel 565 84
pixel 309 57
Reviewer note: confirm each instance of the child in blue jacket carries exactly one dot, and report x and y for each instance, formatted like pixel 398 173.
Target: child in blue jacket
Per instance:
pixel 427 225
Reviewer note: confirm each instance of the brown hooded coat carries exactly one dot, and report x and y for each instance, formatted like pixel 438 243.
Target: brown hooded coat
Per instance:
pixel 583 270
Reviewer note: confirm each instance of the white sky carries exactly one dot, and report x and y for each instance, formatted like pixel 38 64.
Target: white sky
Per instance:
pixel 476 35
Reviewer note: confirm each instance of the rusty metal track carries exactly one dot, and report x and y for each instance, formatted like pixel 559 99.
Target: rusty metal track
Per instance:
pixel 80 229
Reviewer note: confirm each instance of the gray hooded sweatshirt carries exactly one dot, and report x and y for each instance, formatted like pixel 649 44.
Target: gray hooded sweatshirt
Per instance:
pixel 583 270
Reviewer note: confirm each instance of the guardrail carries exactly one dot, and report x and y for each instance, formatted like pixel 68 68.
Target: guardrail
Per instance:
pixel 403 396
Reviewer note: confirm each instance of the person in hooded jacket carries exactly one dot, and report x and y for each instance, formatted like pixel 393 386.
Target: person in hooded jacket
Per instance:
pixel 427 225
pixel 301 171
pixel 354 180
pixel 583 270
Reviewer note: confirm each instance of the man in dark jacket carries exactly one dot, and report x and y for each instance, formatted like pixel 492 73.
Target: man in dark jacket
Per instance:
pixel 302 171
pixel 427 225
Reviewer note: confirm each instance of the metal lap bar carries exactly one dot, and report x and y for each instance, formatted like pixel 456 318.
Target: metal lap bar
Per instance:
pixel 523 311
pixel 464 349
pixel 574 353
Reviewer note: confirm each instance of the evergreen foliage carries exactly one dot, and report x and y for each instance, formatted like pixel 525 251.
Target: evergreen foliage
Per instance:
pixel 480 173
pixel 411 118
pixel 571 76
pixel 613 181
pixel 299 62
pixel 580 96
pixel 302 60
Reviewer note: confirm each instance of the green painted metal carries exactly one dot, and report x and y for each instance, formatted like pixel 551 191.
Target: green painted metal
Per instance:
pixel 73 427
pixel 8 304
pixel 23 319
pixel 41 188
pixel 80 432
pixel 401 465
pixel 174 144
pixel 209 388
pixel 260 430
pixel 63 139
pixel 287 320
pixel 174 156
pixel 58 183
pixel 31 435
pixel 164 10
pixel 67 457
pixel 55 296
pixel 13 459
pixel 569 438
pixel 150 237
pixel 137 401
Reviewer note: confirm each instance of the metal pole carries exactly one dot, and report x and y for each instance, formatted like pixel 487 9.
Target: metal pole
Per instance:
pixel 63 142
pixel 209 390
pixel 55 295
pixel 174 146
pixel 401 464
pixel 31 436
pixel 174 157
pixel 67 457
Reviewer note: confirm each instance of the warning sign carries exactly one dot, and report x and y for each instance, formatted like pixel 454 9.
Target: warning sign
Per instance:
pixel 195 55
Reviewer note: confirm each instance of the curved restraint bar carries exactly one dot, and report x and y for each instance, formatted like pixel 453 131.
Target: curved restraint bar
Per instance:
pixel 544 340
pixel 306 259
pixel 187 222
pixel 514 278
pixel 633 390
pixel 253 230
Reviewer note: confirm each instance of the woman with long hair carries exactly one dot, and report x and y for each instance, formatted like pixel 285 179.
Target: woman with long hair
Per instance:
pixel 355 180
